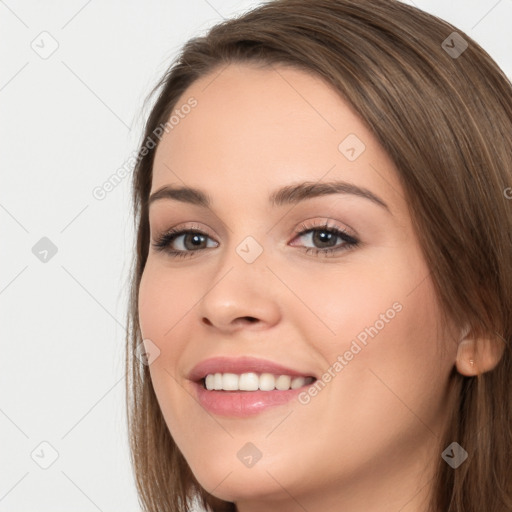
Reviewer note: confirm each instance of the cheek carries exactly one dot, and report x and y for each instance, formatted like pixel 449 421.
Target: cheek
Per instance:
pixel 336 303
pixel 164 299
pixel 390 341
pixel 376 324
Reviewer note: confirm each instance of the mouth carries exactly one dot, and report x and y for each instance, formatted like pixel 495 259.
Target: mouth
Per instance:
pixel 252 381
pixel 246 385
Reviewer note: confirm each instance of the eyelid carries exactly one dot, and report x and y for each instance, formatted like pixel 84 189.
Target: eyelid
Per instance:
pixel 327 223
pixel 308 224
pixel 350 241
pixel 185 226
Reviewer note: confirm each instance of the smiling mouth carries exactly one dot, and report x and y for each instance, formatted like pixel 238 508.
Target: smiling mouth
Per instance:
pixel 252 381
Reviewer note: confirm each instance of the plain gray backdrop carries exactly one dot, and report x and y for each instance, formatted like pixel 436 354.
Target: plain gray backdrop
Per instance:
pixel 73 79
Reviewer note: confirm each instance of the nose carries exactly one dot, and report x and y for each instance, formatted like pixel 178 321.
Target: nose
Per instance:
pixel 241 295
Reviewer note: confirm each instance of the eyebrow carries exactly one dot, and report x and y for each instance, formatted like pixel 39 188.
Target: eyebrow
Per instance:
pixel 290 194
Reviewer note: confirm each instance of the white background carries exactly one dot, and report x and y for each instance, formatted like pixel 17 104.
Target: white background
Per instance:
pixel 67 123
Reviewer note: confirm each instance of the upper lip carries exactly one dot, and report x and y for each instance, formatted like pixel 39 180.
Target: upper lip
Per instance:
pixel 238 365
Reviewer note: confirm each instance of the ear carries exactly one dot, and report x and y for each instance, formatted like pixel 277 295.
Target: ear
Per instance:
pixel 478 355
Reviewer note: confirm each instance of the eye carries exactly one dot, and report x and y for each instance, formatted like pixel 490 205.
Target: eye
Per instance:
pixel 185 241
pixel 325 236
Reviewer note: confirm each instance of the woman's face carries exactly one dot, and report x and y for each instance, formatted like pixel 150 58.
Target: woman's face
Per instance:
pixel 356 309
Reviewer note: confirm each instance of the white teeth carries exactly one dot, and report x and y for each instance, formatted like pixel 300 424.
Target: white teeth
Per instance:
pixel 297 382
pixel 230 381
pixel 252 382
pixel 248 382
pixel 267 382
pixel 283 382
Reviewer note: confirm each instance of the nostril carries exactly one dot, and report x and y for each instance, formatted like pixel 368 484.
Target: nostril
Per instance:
pixel 246 320
pixel 242 319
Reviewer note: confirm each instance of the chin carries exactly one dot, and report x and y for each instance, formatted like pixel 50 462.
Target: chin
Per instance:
pixel 230 480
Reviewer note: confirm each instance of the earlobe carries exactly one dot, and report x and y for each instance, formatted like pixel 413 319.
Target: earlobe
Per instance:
pixel 465 361
pixel 477 356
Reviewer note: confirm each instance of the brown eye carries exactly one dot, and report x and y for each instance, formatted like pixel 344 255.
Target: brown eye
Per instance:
pixel 185 242
pixel 324 239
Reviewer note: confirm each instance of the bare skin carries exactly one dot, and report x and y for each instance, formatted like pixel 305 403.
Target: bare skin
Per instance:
pixel 368 440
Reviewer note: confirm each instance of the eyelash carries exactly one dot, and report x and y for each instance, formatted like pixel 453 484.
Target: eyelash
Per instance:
pixel 165 240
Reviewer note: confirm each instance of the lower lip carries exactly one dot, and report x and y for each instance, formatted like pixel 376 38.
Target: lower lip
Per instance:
pixel 243 403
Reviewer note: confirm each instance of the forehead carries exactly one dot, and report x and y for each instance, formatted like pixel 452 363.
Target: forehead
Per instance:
pixel 264 127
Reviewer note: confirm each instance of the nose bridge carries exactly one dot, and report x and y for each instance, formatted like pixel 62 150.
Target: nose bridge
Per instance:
pixel 246 245
pixel 250 250
pixel 243 267
pixel 241 286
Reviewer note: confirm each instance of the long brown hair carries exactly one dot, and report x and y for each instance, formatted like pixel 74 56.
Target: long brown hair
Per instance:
pixel 443 113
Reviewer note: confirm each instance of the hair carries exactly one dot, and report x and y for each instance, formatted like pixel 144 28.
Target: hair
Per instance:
pixel 446 123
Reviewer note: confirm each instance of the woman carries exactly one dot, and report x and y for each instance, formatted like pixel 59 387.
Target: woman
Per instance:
pixel 323 269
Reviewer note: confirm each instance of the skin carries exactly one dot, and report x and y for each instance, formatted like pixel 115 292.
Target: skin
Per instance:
pixel 368 441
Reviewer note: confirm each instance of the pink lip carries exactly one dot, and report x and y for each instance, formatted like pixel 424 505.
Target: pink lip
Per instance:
pixel 241 403
pixel 239 365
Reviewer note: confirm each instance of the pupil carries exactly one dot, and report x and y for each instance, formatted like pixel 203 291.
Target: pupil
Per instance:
pixel 197 239
pixel 324 236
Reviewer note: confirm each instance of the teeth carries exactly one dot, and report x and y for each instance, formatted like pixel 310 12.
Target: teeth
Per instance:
pixel 230 381
pixel 249 382
pixel 297 382
pixel 283 382
pixel 253 382
pixel 210 381
pixel 267 382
